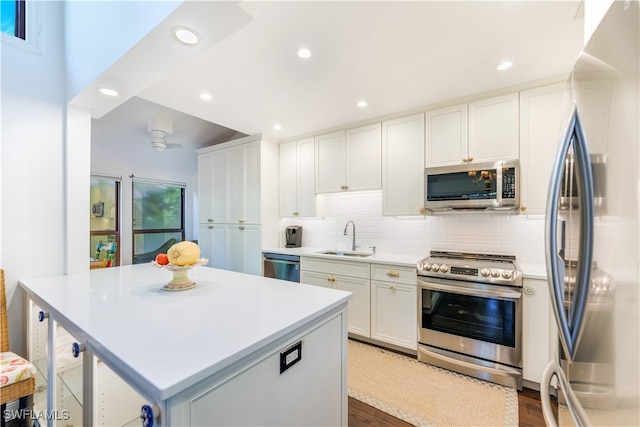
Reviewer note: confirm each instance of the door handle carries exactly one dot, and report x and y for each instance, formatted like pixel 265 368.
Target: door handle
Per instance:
pixel 570 325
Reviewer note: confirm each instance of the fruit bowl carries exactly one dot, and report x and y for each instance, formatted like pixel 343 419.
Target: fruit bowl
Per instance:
pixel 180 281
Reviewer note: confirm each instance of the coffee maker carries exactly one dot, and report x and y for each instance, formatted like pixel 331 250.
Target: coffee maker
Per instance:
pixel 293 236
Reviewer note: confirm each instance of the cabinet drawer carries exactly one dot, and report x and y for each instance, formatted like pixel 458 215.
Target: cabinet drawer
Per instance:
pixel 346 268
pixel 393 273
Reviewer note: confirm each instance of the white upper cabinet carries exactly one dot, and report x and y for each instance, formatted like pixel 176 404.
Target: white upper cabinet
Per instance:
pixel 297 178
pixel 244 183
pixel 403 166
pixel 493 129
pixel 213 187
pixel 447 136
pixel 543 111
pixel 348 160
pixel 330 162
pixel 363 148
pixel 481 131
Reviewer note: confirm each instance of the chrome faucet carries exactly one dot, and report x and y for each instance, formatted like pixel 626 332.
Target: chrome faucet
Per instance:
pixel 353 242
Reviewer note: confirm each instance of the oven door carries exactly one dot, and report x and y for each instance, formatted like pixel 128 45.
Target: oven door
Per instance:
pixel 478 320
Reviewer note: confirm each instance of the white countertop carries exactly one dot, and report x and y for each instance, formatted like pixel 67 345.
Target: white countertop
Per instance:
pixel 167 341
pixel 533 271
pixel 407 260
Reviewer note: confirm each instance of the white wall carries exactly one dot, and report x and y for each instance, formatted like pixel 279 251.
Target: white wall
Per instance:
pixel 32 227
pixel 98 33
pixel 509 234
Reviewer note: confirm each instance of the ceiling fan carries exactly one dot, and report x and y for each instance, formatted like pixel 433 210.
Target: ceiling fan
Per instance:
pixel 159 127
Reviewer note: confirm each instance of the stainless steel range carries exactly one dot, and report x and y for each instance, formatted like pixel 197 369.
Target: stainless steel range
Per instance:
pixel 470 315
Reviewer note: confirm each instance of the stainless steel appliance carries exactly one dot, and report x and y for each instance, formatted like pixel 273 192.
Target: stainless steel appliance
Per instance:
pixel 569 189
pixel 592 258
pixel 281 266
pixel 485 186
pixel 470 315
pixel 293 236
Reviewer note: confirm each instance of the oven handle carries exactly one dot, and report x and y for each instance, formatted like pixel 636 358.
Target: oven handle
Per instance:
pixel 475 292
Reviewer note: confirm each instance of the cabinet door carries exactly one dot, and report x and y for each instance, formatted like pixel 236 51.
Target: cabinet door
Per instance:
pixel 316 279
pixel 543 112
pixel 403 165
pixel 363 158
pixel 244 249
pixel 447 136
pixel 205 187
pixel 220 186
pixel 235 177
pixel 252 183
pixel 289 179
pixel 330 162
pixel 306 178
pixel 394 313
pixel 212 187
pixel 297 178
pixel 359 307
pixel 212 239
pixel 493 129
pixel 536 329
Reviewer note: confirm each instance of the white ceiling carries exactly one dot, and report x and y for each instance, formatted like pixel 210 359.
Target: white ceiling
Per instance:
pixel 397 55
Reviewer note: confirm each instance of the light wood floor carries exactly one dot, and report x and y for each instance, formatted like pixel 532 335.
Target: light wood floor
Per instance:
pixel 529 412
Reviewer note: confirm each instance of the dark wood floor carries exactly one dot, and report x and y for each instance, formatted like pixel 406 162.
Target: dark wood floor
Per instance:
pixel 529 412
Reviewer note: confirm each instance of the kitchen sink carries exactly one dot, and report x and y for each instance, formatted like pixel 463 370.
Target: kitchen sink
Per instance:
pixel 346 253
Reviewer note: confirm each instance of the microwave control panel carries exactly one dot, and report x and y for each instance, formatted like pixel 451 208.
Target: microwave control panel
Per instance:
pixel 509 183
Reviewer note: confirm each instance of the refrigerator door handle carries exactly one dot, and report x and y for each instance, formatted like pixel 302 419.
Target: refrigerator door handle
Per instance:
pixel 576 410
pixel 570 326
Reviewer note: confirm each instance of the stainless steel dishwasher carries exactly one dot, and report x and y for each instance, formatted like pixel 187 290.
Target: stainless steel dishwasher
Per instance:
pixel 281 266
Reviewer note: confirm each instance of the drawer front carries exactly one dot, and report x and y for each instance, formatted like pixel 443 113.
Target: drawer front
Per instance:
pixel 394 273
pixel 346 268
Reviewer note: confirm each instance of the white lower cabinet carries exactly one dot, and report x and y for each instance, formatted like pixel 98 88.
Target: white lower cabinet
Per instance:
pixel 212 239
pixel 347 276
pixel 384 304
pixel 538 329
pixel 394 305
pixel 231 247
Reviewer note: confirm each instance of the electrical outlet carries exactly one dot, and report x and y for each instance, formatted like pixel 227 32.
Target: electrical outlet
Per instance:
pixel 290 356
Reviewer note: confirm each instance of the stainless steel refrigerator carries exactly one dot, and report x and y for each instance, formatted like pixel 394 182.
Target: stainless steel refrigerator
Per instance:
pixel 592 234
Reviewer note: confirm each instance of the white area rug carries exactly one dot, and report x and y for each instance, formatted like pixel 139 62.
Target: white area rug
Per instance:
pixel 425 395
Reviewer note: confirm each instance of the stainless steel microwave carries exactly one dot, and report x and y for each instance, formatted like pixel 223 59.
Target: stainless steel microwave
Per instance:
pixel 473 186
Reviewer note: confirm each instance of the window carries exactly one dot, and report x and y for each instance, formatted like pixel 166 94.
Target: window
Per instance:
pixel 158 218
pixel 105 221
pixel 13 18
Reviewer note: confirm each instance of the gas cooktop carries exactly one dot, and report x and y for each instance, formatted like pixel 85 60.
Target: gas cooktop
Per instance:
pixel 484 268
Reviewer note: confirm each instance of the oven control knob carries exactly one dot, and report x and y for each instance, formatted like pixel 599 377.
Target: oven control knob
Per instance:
pixel 426 266
pixel 435 268
pixel 495 273
pixel 506 274
pixel 485 272
pixel 444 268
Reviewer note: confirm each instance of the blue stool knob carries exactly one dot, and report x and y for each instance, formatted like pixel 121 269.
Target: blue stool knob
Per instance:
pixel 42 315
pixel 146 415
pixel 76 349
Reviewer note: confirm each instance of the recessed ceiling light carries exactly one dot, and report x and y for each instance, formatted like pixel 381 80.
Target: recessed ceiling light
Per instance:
pixel 504 65
pixel 304 53
pixel 277 126
pixel 206 96
pixel 108 92
pixel 185 35
pixel 362 103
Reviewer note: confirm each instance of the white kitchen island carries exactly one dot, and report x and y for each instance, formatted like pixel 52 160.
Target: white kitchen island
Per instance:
pixel 211 355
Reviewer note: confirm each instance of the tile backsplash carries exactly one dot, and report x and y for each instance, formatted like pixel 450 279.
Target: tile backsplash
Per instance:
pixel 498 233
